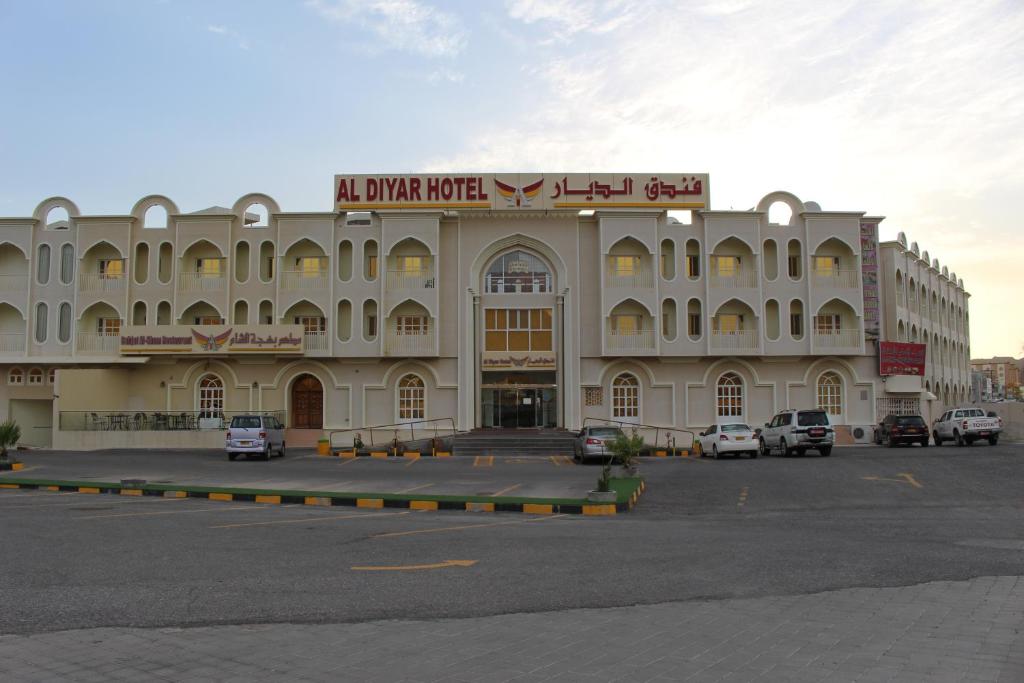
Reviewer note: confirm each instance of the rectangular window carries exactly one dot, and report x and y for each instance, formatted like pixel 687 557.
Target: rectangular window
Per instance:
pixel 827 323
pixel 209 320
pixel 371 326
pixel 625 266
pixel 826 266
pixel 693 266
pixel 727 266
pixel 311 266
pixel 311 323
pixel 517 329
pixel 111 268
pixel 793 263
pixel 411 324
pixel 208 267
pixel 270 268
pixel 371 267
pixel 693 325
pixel 728 323
pixel 796 325
pixel 626 324
pixel 666 263
pixel 108 327
pixel 412 265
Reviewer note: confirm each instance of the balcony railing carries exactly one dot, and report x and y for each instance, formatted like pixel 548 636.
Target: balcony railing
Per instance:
pixel 14 282
pixel 91 342
pixel 524 283
pixel 839 279
pixel 744 277
pixel 101 282
pixel 740 340
pixel 410 279
pixel 620 341
pixel 191 281
pixel 316 341
pixel 406 344
pixel 12 343
pixel 636 279
pixel 303 280
pixel 831 339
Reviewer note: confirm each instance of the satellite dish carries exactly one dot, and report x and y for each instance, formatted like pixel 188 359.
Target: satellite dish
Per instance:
pixel 812 206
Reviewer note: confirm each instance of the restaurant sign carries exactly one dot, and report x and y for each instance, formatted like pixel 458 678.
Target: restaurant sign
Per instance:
pixel 901 358
pixel 211 339
pixel 521 191
pixel 525 360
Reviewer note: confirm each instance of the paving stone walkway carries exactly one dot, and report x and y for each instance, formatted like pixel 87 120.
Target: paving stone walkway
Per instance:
pixel 942 631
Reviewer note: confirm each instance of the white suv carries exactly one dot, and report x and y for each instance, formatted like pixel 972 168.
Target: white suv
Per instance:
pixel 259 434
pixel 796 431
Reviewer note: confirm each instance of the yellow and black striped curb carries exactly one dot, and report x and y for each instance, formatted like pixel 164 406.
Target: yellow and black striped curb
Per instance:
pixel 413 455
pixel 335 500
pixel 11 466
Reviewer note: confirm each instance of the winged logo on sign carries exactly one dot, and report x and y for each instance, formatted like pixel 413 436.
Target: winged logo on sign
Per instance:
pixel 518 196
pixel 211 342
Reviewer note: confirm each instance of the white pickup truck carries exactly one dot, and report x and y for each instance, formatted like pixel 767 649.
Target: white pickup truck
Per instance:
pixel 964 426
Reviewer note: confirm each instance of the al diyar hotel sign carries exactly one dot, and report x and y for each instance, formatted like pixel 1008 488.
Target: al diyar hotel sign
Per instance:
pixel 211 339
pixel 522 191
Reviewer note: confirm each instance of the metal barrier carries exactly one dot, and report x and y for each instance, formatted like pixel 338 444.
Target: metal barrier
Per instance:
pixel 401 435
pixel 152 421
pixel 655 438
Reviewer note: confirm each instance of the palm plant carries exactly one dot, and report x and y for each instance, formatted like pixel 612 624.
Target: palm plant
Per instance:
pixel 10 434
pixel 626 448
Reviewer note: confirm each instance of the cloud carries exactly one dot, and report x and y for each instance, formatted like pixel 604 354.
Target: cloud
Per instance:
pixel 908 110
pixel 404 25
pixel 228 33
pixel 448 75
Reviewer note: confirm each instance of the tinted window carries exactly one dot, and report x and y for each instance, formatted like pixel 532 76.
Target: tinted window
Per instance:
pixel 785 419
pixel 245 422
pixel 735 428
pixel 711 429
pixel 975 413
pixel 812 419
pixel 604 431
pixel 958 413
pixel 910 421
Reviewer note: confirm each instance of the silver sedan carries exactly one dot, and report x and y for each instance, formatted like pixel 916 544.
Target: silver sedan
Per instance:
pixel 593 442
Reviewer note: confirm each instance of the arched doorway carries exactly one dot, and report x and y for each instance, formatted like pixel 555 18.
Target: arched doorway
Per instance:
pixel 307 411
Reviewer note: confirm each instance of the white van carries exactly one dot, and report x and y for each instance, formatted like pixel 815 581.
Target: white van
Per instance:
pixel 259 434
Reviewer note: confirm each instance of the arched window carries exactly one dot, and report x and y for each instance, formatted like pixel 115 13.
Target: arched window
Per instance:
pixel 211 396
pixel 830 393
pixel 626 398
pixel 67 264
pixel 517 272
pixel 730 395
pixel 35 376
pixel 64 323
pixel 43 272
pixel 412 399
pixel 16 376
pixel 42 313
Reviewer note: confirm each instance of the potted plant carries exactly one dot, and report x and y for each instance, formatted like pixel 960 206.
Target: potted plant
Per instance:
pixel 603 493
pixel 357 443
pixel 10 434
pixel 626 449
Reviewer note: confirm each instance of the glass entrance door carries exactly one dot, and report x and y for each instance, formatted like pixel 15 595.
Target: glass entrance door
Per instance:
pixel 518 407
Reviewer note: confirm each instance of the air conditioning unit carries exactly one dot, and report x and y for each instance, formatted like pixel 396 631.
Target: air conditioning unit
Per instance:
pixel 863 433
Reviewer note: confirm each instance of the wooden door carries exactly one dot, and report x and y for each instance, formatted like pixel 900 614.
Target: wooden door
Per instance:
pixel 307 403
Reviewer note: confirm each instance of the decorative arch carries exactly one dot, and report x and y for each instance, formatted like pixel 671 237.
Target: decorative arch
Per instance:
pixel 625 393
pixel 305 401
pixel 89 246
pixel 143 205
pixel 197 241
pixel 410 398
pixel 209 396
pixel 829 394
pixel 6 243
pixel 499 276
pixel 44 207
pixel 725 238
pixel 196 304
pixel 410 238
pixel 487 254
pixel 245 201
pixel 629 299
pixel 787 198
pixel 298 239
pixel 730 396
pixel 408 300
pixel 630 239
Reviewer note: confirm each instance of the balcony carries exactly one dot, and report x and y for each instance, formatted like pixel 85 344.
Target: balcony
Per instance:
pixel 735 340
pixel 12 343
pixel 636 279
pixel 192 281
pixel 98 344
pixel 304 280
pixel 410 279
pixel 836 279
pixel 736 279
pixel 629 341
pixel 315 342
pixel 405 344
pixel 14 282
pixel 837 339
pixel 101 282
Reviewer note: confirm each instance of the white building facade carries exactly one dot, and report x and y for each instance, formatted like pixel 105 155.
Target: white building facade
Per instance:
pixel 512 301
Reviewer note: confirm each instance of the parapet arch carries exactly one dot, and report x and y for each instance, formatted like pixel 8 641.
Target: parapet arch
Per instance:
pixel 255 198
pixel 53 202
pixel 141 206
pixel 787 198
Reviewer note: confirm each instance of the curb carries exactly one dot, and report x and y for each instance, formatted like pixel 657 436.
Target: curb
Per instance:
pixel 388 454
pixel 11 466
pixel 320 498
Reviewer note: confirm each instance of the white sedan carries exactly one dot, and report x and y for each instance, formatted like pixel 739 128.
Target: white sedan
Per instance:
pixel 734 437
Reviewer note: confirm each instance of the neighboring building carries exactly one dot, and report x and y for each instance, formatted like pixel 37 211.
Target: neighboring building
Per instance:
pixel 511 301
pixel 1002 372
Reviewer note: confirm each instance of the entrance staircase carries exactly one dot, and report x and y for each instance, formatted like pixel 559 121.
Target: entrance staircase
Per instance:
pixel 516 442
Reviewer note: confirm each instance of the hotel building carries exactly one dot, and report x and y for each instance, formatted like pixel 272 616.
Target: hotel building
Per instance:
pixel 513 301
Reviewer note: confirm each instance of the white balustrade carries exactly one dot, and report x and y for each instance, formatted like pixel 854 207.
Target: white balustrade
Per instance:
pixel 192 281
pixel 410 279
pixel 619 341
pixel 839 279
pixel 14 282
pixel 834 339
pixel 303 280
pixel 744 277
pixel 406 344
pixel 638 279
pixel 91 342
pixel 740 340
pixel 101 282
pixel 12 343
pixel 316 341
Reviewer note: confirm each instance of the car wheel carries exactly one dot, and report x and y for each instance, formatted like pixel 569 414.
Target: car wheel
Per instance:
pixel 762 447
pixel 935 438
pixel 783 448
pixel 714 452
pixel 232 456
pixel 825 451
pixel 281 452
pixel 924 442
pixel 266 453
pixel 890 443
pixel 969 441
pixel 958 438
pixel 993 441
pixel 698 449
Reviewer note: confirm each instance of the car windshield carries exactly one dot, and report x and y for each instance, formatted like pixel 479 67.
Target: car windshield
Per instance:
pixel 910 421
pixel 604 431
pixel 812 419
pixel 735 428
pixel 245 422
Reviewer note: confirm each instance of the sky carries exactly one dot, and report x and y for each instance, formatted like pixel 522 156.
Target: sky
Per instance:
pixel 912 110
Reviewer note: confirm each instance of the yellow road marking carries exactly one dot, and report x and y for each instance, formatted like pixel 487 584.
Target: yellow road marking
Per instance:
pixel 312 519
pixel 71 503
pixel 743 496
pixel 483 461
pixel 435 530
pixel 505 490
pixel 413 567
pixel 905 478
pixel 170 512
pixel 348 461
pixel 414 488
pixel 561 460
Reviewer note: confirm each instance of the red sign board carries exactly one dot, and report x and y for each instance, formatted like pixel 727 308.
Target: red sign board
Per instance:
pixel 900 358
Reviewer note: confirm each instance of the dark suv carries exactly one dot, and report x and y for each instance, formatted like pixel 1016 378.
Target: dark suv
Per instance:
pixel 897 429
